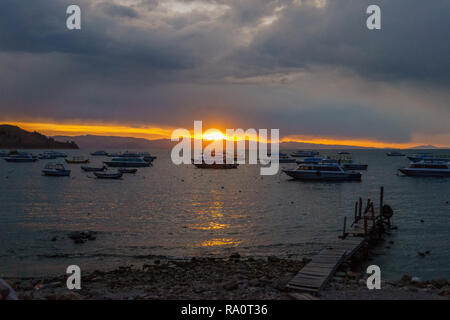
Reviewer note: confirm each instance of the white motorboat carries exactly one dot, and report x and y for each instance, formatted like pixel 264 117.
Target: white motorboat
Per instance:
pixel 21 157
pixel 428 156
pixel 323 172
pixel 55 170
pixel 127 162
pixel 427 168
pixel 395 154
pixel 311 160
pixel 144 155
pixel 99 153
pixel 284 158
pixel 52 155
pixel 304 153
pixel 210 163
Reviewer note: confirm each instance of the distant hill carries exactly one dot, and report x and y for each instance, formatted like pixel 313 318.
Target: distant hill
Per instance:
pixel 91 142
pixel 425 147
pixel 13 137
pixel 303 145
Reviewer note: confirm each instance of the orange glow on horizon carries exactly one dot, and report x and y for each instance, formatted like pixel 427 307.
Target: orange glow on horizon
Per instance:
pixel 354 143
pixel 56 129
pixel 155 132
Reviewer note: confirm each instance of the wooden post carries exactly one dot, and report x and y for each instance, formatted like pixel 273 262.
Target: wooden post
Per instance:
pixel 356 212
pixel 345 227
pixel 365 225
pixel 360 208
pixel 381 200
pixel 367 206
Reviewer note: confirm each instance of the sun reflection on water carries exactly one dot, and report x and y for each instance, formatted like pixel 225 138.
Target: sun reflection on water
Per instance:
pixel 220 242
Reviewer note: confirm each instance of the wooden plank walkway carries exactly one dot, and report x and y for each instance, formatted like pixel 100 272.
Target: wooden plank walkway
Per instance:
pixel 316 274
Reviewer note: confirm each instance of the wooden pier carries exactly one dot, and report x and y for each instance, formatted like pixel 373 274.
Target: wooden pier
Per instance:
pixel 318 272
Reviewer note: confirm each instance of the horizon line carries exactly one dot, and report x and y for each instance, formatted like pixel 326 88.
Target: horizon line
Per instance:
pixel 153 133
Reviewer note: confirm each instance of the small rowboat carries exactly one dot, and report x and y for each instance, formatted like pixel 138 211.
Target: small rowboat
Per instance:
pixel 77 160
pixel 99 175
pixel 93 169
pixel 126 170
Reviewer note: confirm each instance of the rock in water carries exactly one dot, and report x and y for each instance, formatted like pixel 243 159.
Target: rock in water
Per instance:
pixel 273 259
pixel 232 285
pixel 235 255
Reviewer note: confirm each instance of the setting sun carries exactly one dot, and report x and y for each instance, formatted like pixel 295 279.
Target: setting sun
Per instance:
pixel 214 136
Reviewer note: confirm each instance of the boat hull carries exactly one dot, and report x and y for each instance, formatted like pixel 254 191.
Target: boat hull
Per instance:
pixel 99 154
pixel 395 154
pixel 128 170
pixel 116 164
pixel 303 155
pixel 21 160
pixel 77 161
pixel 60 173
pixel 91 169
pixel 216 166
pixel 323 176
pixel 424 173
pixel 355 166
pixel 418 159
pixel 108 175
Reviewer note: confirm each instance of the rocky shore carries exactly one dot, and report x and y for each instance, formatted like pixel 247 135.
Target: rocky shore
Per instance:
pixel 211 278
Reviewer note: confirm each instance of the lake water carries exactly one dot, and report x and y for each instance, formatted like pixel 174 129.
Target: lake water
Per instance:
pixel 181 211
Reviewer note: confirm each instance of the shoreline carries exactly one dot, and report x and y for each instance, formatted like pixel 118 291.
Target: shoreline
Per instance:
pixel 221 278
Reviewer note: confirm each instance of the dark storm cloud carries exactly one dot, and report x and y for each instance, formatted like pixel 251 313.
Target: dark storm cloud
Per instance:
pixel 412 44
pixel 118 11
pixel 40 27
pixel 171 62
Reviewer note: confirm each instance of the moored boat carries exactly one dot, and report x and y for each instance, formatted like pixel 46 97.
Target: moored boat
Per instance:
pixel 284 158
pixel 428 156
pixel 99 153
pixel 130 162
pixel 144 155
pixel 216 165
pixel 101 175
pixel 395 154
pixel 311 160
pixel 211 164
pixel 46 156
pixel 55 170
pixel 93 169
pixel 323 172
pixel 304 153
pixel 52 155
pixel 127 170
pixel 147 156
pixel 77 160
pixel 350 164
pixel 427 168
pixel 21 157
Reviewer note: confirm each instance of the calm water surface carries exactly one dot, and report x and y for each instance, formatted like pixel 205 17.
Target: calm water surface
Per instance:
pixel 181 211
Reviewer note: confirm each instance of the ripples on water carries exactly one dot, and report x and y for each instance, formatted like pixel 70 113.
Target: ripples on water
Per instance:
pixel 181 211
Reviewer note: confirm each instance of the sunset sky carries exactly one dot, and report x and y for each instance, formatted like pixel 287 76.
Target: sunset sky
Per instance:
pixel 311 68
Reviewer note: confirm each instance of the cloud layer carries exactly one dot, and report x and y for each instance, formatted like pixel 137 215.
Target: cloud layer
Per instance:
pixel 308 67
